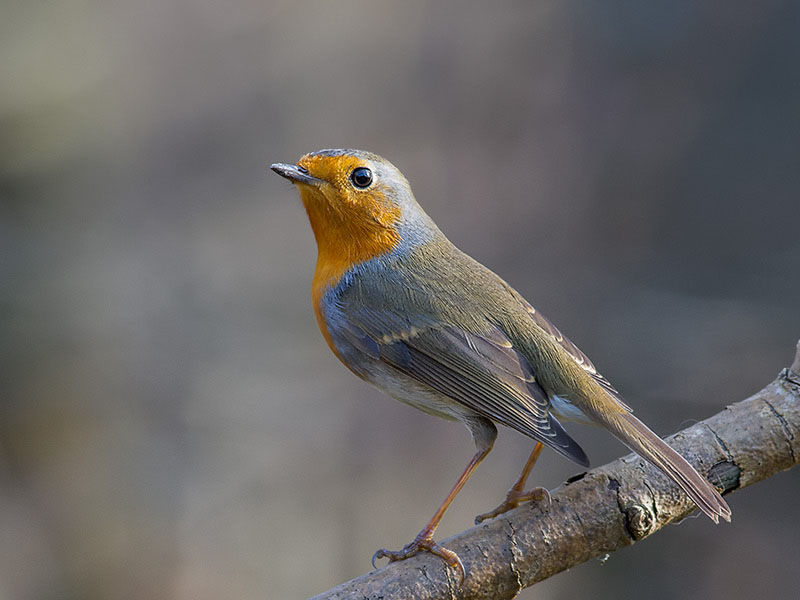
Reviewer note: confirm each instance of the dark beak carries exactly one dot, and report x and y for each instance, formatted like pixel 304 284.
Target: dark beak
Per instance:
pixel 294 173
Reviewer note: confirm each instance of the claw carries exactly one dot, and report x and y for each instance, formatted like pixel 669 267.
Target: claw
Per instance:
pixel 419 545
pixel 513 500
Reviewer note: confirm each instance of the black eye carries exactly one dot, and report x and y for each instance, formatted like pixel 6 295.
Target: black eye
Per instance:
pixel 361 177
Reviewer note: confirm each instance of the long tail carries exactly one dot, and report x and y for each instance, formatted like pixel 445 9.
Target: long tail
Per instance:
pixel 635 434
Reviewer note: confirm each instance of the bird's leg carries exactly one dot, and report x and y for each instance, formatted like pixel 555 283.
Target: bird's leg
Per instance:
pixel 424 539
pixel 484 438
pixel 516 495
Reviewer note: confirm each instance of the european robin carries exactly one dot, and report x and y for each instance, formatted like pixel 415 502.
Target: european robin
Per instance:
pixel 407 311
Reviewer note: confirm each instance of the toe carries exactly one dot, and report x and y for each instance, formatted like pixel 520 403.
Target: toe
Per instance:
pixel 451 558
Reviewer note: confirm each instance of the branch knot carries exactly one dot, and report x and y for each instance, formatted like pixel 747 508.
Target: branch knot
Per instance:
pixel 639 521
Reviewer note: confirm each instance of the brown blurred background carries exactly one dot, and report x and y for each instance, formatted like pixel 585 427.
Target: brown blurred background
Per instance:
pixel 171 422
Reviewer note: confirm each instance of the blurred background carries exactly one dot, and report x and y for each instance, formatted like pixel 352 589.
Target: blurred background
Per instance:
pixel 172 424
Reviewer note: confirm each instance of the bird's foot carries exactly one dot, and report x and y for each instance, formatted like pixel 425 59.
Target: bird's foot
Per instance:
pixel 423 542
pixel 513 499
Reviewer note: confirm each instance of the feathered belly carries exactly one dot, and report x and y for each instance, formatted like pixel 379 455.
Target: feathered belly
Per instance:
pixel 409 391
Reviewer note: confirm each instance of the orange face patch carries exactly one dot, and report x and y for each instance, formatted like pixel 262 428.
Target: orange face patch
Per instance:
pixel 340 192
pixel 332 169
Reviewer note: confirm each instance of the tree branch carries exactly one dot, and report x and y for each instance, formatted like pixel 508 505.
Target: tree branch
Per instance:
pixel 605 509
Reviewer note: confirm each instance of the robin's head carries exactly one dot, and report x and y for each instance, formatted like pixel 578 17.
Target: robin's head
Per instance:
pixel 359 204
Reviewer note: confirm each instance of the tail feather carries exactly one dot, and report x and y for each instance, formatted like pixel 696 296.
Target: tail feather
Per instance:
pixel 635 434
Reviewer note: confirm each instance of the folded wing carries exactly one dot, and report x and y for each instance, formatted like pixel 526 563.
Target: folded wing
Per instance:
pixel 483 372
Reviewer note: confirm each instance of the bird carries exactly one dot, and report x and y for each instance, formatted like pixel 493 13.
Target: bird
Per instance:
pixel 407 311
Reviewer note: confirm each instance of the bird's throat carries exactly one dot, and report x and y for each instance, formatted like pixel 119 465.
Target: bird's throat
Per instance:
pixel 344 242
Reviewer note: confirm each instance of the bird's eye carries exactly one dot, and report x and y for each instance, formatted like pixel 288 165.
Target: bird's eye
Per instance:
pixel 361 177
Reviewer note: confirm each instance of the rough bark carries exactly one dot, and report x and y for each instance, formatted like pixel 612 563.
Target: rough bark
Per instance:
pixel 607 508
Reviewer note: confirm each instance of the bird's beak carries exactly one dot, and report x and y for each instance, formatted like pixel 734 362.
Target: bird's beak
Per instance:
pixel 294 173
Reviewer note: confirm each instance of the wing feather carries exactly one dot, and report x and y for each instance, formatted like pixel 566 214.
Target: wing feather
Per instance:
pixel 576 353
pixel 484 373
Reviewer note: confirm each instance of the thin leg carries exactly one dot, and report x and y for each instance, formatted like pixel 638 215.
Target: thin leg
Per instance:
pixel 515 495
pixel 484 433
